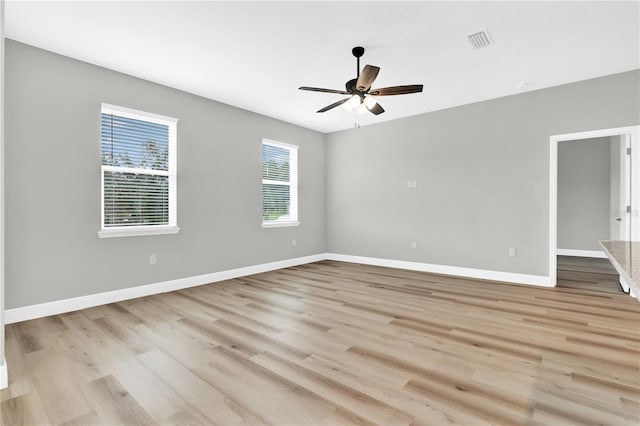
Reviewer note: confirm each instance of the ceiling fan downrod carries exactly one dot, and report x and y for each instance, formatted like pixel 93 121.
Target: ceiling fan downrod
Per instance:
pixel 358 51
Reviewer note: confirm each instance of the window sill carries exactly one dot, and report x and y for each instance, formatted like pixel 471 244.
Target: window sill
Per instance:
pixel 137 231
pixel 282 224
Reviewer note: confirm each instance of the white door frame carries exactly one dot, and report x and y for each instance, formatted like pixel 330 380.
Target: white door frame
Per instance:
pixel 634 132
pixel 4 375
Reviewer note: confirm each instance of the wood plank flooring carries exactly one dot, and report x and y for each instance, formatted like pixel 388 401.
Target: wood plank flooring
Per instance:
pixel 334 343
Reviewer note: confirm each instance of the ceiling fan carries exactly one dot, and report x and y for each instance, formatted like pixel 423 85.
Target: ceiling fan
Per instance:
pixel 360 90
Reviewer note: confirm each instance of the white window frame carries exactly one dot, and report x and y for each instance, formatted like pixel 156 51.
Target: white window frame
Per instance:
pixel 292 184
pixel 130 231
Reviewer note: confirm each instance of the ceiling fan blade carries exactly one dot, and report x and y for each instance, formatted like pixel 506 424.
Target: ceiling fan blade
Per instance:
pixel 397 90
pixel 367 76
pixel 376 109
pixel 333 105
pixel 318 89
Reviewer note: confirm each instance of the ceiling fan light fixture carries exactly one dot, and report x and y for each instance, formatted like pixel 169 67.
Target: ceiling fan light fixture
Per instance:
pixel 354 102
pixel 370 101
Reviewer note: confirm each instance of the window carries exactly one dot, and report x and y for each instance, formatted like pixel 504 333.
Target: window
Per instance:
pixel 138 152
pixel 279 184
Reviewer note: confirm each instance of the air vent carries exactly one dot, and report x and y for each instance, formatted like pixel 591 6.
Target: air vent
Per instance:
pixel 480 39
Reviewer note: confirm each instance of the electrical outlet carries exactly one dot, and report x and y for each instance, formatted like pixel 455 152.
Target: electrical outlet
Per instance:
pixel 152 259
pixel 294 242
pixel 414 244
pixel 413 184
pixel 512 252
pixel 409 184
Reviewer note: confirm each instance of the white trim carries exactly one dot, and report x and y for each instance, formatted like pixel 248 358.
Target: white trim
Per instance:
pixel 275 182
pixel 483 274
pixel 292 218
pixel 634 131
pixel 293 183
pixel 553 210
pixel 67 305
pixel 136 231
pixel 171 173
pixel 635 189
pixel 280 224
pixel 279 144
pixel 591 134
pixel 581 253
pixel 134 170
pixel 136 114
pixel 4 375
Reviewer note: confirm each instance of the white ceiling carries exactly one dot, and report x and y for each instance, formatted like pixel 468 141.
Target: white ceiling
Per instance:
pixel 254 55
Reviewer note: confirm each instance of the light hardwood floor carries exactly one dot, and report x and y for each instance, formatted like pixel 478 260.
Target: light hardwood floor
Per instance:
pixel 337 343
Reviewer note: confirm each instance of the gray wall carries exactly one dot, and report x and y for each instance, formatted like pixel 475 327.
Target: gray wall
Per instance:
pixel 584 193
pixel 482 173
pixel 53 184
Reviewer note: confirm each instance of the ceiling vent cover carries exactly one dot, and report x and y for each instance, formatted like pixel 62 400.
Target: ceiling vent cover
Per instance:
pixel 480 39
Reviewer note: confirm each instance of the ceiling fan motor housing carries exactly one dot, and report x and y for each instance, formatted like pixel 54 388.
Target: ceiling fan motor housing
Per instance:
pixel 351 85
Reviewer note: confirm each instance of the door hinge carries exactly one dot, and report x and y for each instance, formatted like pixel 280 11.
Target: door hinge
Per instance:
pixel 628 151
pixel 628 209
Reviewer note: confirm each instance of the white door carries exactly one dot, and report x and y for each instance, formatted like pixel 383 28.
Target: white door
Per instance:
pixel 621 188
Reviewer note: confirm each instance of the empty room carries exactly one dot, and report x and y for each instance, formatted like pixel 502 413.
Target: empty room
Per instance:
pixel 319 213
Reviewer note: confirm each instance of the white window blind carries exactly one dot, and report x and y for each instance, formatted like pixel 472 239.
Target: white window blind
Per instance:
pixel 138 152
pixel 279 184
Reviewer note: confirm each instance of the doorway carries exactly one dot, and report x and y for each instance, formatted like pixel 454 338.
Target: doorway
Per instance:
pixel 626 216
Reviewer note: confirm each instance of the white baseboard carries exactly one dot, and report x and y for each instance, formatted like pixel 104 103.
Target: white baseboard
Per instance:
pixel 581 253
pixel 4 375
pixel 73 304
pixel 538 280
pixel 67 305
